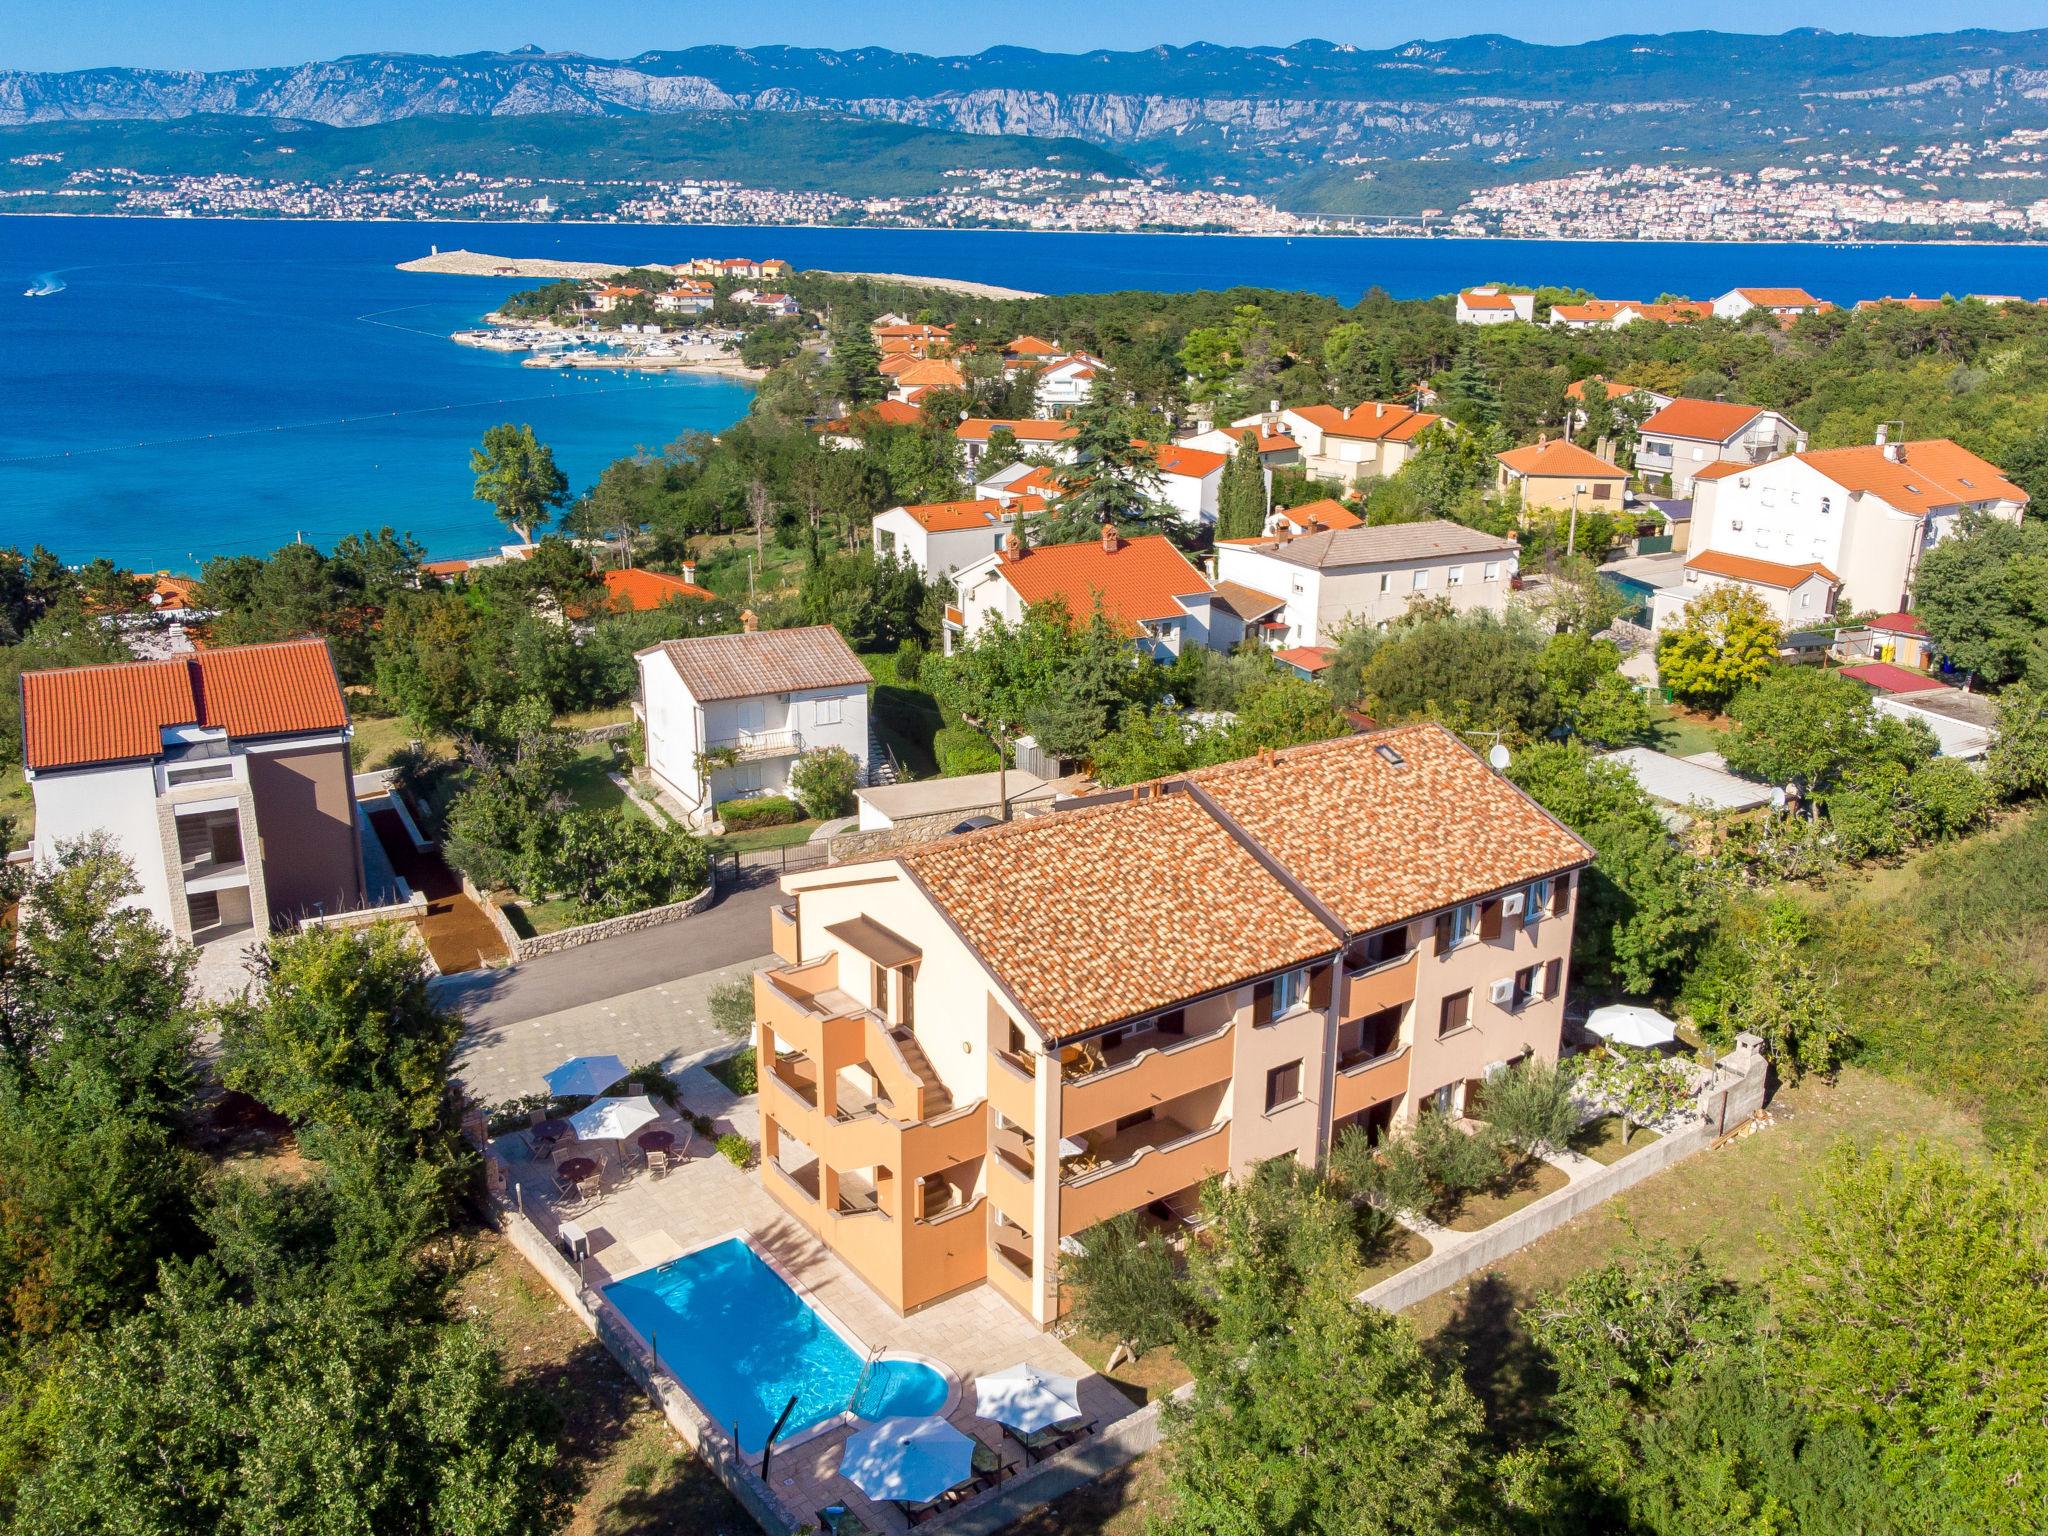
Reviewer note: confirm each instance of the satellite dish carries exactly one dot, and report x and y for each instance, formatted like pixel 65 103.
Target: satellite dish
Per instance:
pixel 1777 799
pixel 1498 756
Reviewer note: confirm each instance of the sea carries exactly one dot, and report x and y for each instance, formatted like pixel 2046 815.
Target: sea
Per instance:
pixel 184 388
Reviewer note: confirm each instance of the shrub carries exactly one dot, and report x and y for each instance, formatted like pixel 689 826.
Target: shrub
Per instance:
pixel 1641 1088
pixel 824 782
pixel 1454 1160
pixel 1949 798
pixel 960 749
pixel 732 1007
pixel 736 1149
pixel 736 1071
pixel 910 656
pixel 1388 1178
pixel 610 863
pixel 759 811
pixel 1530 1107
pixel 1125 1285
pixel 703 1125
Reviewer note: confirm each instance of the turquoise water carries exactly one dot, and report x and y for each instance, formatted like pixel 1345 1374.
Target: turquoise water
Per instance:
pixel 744 1343
pixel 198 387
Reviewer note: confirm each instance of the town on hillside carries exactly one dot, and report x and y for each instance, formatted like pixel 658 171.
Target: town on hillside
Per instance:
pixel 1221 909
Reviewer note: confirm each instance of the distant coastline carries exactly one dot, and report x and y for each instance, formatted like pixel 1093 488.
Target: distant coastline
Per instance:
pixel 481 264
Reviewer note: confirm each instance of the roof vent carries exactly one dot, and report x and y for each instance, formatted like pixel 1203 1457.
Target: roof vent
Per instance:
pixel 1390 757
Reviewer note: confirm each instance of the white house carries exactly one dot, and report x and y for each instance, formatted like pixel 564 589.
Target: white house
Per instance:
pixel 1489 306
pixel 1351 575
pixel 1687 436
pixel 940 537
pixel 685 299
pixel 1052 440
pixel 1867 513
pixel 1015 483
pixel 1277 447
pixel 1189 479
pixel 1799 596
pixel 1737 302
pixel 1145 586
pixel 1067 382
pixel 728 716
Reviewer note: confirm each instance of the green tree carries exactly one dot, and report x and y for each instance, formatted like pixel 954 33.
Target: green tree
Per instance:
pixel 1913 1305
pixel 1124 1285
pixel 1639 1086
pixel 1472 671
pixel 824 781
pixel 1787 998
pixel 856 372
pixel 1800 724
pixel 1530 1107
pixel 1284 711
pixel 1241 498
pixel 1983 595
pixel 1725 641
pixel 516 474
pixel 2017 764
pixel 607 863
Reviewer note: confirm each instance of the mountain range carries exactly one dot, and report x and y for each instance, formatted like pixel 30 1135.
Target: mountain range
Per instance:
pixel 1314 126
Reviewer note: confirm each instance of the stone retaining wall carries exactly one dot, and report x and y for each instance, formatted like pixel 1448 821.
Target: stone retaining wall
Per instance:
pixel 627 1347
pixel 609 928
pixel 855 844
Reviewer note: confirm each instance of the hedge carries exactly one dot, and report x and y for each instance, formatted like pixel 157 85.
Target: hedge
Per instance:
pixel 961 749
pixel 760 811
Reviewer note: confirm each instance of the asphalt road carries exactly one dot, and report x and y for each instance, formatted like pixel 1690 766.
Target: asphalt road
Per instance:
pixel 735 929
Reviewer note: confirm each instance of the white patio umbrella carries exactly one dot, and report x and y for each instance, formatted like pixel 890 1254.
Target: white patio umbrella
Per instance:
pixel 906 1460
pixel 1629 1024
pixel 581 1075
pixel 1026 1398
pixel 613 1119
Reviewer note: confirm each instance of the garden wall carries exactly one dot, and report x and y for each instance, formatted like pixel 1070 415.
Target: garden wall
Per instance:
pixel 609 928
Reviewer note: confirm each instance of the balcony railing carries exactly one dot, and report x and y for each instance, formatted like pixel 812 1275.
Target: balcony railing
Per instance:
pixel 1165 1069
pixel 747 746
pixel 1363 1081
pixel 1150 1171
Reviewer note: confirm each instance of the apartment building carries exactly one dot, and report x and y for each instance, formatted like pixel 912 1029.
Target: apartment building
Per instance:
pixel 1067 383
pixel 1327 580
pixel 978 1047
pixel 728 716
pixel 223 777
pixel 942 536
pixel 1688 436
pixel 1052 440
pixel 1867 514
pixel 1783 302
pixel 1368 441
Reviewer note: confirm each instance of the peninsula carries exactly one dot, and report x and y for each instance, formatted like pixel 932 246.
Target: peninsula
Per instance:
pixel 478 264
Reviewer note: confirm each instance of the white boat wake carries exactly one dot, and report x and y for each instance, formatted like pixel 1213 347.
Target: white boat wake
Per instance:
pixel 45 284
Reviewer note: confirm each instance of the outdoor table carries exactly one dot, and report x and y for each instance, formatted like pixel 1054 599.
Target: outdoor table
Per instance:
pixel 576 1169
pixel 551 1130
pixel 656 1141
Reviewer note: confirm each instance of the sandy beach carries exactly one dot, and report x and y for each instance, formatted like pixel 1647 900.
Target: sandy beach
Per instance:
pixel 479 264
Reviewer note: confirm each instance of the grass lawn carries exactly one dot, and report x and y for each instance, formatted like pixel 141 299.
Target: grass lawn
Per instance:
pixel 588 779
pixel 1483 1208
pixel 1401 1250
pixel 532 918
pixel 793 835
pixel 1601 1140
pixel 621 1470
pixel 1684 732
pixel 906 717
pixel 1153 1374
pixel 18 805
pixel 591 719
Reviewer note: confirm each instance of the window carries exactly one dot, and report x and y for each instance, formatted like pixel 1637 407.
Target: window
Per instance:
pixel 1535 902
pixel 1270 999
pixel 1603 491
pixel 1553 977
pixel 885 541
pixel 1386 580
pixel 828 711
pixel 1456 578
pixel 1561 896
pixel 1283 1086
pixel 1421 581
pixel 1456 1014
pixel 1493 570
pixel 1525 989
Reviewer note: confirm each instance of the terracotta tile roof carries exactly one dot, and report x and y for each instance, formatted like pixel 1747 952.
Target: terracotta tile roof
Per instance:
pixel 1910 301
pixel 1040 480
pixel 753 662
pixel 1187 463
pixel 446 567
pixel 1779 298
pixel 1677 312
pixel 1884 677
pixel 1031 346
pixel 929 373
pixel 952 516
pixel 1107 912
pixel 1276 441
pixel 1248 603
pixel 1721 469
pixel 1712 421
pixel 1616 390
pixel 1763 573
pixel 644 590
pixel 1325 516
pixel 1593 311
pixel 1377 841
pixel 1898 623
pixel 1141 579
pixel 1560 457
pixel 1389 543
pixel 1485 298
pixel 1025 429
pixel 1929 473
pixel 76 716
pixel 887 413
pixel 1309 658
pixel 1369 422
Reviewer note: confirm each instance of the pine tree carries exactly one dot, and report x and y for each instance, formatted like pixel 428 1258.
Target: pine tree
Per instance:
pixel 856 364
pixel 1241 498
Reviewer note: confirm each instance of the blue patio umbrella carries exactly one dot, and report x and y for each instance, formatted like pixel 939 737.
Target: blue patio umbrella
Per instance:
pixel 584 1075
pixel 908 1461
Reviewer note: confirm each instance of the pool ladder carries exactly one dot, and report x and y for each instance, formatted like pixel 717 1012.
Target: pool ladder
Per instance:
pixel 860 1383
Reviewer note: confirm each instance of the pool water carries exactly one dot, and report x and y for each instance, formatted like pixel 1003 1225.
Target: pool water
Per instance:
pixel 731 1330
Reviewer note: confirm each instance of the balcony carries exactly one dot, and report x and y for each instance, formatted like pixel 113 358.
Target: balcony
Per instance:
pixel 752 746
pixel 1148 1162
pixel 1013 1087
pixel 1363 1081
pixel 782 932
pixel 1157 1068
pixel 1387 985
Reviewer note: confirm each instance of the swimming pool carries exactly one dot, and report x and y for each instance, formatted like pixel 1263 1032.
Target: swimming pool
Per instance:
pixel 733 1331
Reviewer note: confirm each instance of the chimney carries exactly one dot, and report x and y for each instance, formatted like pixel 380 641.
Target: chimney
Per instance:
pixel 1896 452
pixel 1378 410
pixel 690 572
pixel 1110 542
pixel 750 621
pixel 1542 439
pixel 1284 532
pixel 1884 434
pixel 1013 548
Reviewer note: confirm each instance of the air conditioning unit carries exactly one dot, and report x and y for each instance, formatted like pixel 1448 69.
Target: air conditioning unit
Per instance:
pixel 1735 523
pixel 1502 991
pixel 1511 904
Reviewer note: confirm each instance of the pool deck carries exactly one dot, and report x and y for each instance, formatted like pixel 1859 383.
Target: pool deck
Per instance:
pixel 641 1219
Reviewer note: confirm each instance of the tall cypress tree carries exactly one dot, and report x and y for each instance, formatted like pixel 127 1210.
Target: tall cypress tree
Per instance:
pixel 1241 498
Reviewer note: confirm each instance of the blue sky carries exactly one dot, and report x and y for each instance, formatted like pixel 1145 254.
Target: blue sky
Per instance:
pixel 218 34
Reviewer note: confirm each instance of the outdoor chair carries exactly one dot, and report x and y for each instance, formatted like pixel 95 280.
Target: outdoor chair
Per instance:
pixel 657 1163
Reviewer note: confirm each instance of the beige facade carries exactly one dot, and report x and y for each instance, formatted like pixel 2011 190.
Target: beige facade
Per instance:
pixel 917 1116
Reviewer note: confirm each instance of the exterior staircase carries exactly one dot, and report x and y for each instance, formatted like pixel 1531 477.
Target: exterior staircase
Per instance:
pixel 882 766
pixel 937 1100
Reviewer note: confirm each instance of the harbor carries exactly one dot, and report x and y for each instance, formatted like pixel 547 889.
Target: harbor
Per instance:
pixel 647 349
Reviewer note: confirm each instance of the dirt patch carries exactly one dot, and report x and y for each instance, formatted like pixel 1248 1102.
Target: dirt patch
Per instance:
pixel 1153 1374
pixel 1517 1188
pixel 1601 1140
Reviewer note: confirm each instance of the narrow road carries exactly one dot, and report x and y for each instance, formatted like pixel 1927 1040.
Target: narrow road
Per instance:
pixel 734 929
